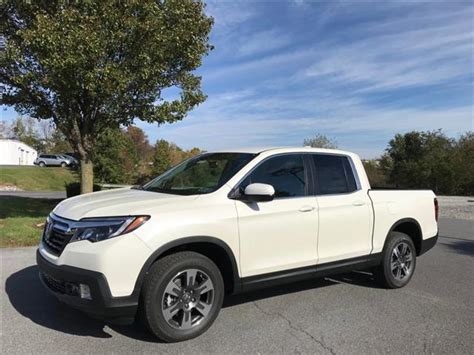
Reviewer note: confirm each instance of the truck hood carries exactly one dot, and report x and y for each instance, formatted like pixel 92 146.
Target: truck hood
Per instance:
pixel 119 202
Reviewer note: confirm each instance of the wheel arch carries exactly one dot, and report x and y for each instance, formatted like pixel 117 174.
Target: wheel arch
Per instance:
pixel 213 248
pixel 410 227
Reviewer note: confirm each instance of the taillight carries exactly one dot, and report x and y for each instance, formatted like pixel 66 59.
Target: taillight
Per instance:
pixel 436 208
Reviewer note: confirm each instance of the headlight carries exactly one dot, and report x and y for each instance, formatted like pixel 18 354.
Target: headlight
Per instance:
pixel 97 229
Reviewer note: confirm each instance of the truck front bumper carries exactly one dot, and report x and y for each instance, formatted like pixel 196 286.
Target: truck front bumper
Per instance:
pixel 87 291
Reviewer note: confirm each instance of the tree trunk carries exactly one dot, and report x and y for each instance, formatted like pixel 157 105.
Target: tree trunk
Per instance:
pixel 87 176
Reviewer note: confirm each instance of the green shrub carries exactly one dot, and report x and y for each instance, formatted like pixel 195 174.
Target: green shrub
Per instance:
pixel 74 189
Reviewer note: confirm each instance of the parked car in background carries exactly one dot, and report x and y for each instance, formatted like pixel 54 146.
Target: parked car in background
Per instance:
pixel 73 162
pixel 54 160
pixel 229 222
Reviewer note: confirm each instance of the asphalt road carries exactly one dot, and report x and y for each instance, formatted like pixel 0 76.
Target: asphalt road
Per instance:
pixel 344 314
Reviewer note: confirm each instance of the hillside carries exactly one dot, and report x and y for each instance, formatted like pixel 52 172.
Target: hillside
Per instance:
pixel 32 178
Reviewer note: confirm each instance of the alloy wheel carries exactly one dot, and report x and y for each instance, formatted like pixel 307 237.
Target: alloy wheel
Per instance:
pixel 401 261
pixel 187 299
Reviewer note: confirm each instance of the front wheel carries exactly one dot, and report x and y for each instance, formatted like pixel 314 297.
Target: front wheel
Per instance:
pixel 398 261
pixel 182 296
pixel 42 164
pixel 63 165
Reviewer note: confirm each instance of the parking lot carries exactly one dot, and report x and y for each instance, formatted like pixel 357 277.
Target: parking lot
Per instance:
pixel 343 314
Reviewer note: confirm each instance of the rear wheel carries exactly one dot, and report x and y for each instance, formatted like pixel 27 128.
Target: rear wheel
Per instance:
pixel 398 261
pixel 182 296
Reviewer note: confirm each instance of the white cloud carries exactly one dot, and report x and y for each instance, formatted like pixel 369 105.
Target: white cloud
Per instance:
pixel 333 82
pixel 262 42
pixel 273 84
pixel 230 13
pixel 255 66
pixel 408 58
pixel 224 126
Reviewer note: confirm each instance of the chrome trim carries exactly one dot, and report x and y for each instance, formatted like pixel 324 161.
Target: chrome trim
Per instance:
pixel 89 222
pixel 69 226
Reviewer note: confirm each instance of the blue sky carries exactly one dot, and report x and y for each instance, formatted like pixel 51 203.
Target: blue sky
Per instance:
pixel 358 72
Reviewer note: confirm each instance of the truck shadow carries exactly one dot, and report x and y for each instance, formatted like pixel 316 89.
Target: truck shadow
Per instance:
pixel 457 245
pixel 30 299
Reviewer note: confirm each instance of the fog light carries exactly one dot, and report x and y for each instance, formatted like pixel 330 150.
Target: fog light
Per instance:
pixel 85 292
pixel 71 288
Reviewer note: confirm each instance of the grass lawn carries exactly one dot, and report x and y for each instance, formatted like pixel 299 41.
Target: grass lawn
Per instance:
pixel 33 178
pixel 21 220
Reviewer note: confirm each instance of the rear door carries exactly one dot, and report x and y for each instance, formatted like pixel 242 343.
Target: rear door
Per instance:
pixel 47 159
pixel 345 210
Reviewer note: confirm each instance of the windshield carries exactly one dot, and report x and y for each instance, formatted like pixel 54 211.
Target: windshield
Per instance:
pixel 200 175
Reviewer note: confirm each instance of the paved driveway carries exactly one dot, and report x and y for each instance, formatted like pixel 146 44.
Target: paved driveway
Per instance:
pixel 344 314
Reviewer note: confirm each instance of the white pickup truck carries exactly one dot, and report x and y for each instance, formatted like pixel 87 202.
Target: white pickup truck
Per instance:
pixel 228 222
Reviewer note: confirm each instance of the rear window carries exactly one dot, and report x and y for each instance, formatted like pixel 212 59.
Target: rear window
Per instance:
pixel 334 174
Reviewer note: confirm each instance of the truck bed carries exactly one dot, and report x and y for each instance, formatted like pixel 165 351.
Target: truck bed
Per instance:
pixel 391 206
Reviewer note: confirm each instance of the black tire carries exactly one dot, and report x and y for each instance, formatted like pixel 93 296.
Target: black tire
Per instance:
pixel 153 298
pixel 63 165
pixel 42 164
pixel 385 274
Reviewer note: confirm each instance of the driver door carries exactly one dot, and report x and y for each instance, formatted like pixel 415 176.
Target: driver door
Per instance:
pixel 280 234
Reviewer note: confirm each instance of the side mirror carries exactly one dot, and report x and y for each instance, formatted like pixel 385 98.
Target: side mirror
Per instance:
pixel 259 193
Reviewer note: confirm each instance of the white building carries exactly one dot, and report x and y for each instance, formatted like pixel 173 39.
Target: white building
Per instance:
pixel 14 152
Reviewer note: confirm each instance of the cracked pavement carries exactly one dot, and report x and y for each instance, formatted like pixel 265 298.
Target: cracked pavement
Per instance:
pixel 344 314
pixel 298 329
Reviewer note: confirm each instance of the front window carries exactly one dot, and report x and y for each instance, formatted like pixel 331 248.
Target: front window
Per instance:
pixel 200 175
pixel 286 173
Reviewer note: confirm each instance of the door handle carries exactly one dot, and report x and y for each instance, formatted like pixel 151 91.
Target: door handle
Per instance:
pixel 358 203
pixel 306 209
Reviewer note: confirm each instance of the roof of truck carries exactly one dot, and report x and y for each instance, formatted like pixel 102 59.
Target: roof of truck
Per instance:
pixel 257 150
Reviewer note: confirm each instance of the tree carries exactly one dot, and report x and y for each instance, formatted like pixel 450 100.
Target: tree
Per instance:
pixel 115 158
pixel 161 157
pixel 4 130
pixel 52 140
pixel 320 141
pixel 168 154
pixel 57 143
pixel 24 129
pixel 95 65
pixel 421 160
pixel 463 162
pixel 140 141
pixel 375 173
pixel 144 151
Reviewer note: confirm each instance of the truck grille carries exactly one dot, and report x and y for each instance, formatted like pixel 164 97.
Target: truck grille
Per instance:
pixel 56 235
pixel 55 285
